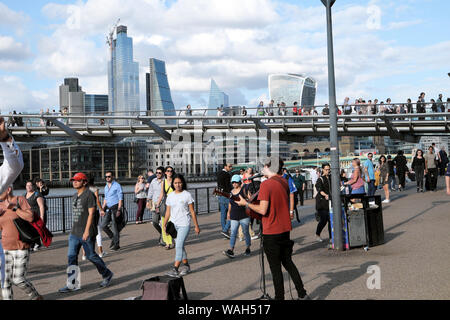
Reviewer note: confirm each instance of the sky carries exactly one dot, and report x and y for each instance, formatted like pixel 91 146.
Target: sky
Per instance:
pixel 383 48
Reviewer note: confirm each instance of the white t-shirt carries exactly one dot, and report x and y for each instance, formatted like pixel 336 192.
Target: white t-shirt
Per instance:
pixel 314 176
pixel 179 208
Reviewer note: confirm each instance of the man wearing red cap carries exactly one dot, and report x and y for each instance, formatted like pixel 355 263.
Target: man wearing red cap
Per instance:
pixel 83 233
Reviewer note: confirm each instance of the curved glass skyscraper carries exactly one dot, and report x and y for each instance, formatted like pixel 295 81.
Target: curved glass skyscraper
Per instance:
pixel 123 77
pixel 217 99
pixel 290 88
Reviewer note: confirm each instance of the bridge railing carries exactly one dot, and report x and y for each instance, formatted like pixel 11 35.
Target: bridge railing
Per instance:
pixel 59 213
pixel 180 116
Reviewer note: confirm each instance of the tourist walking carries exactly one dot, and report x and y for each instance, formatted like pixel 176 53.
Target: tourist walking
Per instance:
pixel 419 168
pixel 140 192
pixel 189 114
pixel 237 217
pixel 356 181
pixel 166 189
pixel 37 204
pixel 224 184
pixel 443 162
pixel 112 206
pixel 392 181
pixel 431 168
pixel 370 175
pixel 300 184
pixel 384 177
pixel 401 168
pixel 154 191
pixel 323 198
pixel 84 231
pixel 180 211
pixel 276 222
pixel 16 252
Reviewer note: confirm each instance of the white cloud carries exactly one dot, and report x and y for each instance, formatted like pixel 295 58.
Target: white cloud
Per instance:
pixel 11 18
pixel 13 54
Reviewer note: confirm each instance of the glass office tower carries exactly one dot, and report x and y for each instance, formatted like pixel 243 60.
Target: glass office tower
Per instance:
pixel 159 98
pixel 123 77
pixel 217 99
pixel 290 88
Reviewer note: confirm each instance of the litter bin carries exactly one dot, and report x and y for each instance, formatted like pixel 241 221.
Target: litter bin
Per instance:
pixel 364 222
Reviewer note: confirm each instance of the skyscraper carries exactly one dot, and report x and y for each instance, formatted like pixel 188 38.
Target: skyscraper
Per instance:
pixel 217 99
pixel 290 88
pixel 72 97
pixel 123 76
pixel 159 98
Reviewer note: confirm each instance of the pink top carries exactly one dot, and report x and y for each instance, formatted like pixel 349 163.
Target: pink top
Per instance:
pixel 360 182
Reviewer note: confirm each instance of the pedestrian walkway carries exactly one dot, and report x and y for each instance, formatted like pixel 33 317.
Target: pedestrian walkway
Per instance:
pixel 414 261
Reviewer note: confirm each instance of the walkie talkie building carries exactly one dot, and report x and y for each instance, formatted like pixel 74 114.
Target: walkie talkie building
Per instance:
pixel 290 88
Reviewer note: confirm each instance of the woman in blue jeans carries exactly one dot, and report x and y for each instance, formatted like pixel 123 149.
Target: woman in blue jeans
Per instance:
pixel 237 216
pixel 179 209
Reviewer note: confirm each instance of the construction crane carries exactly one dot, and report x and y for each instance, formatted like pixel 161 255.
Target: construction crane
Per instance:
pixel 110 42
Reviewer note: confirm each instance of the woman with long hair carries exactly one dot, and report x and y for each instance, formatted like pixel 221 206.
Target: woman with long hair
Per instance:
pixel 418 166
pixel 180 210
pixel 356 182
pixel 141 196
pixel 166 189
pixel 384 177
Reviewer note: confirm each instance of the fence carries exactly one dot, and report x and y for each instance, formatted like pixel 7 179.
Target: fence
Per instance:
pixel 59 214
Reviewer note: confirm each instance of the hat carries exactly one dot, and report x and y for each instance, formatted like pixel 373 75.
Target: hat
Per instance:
pixel 79 177
pixel 236 178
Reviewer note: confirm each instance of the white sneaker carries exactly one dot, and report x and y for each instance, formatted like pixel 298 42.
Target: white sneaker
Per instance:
pixel 83 258
pixel 318 239
pixel 386 201
pixel 101 255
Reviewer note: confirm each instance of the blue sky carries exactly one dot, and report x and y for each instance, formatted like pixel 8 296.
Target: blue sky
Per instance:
pixel 404 51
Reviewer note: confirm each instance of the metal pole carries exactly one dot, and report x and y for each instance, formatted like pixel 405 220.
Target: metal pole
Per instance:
pixel 334 150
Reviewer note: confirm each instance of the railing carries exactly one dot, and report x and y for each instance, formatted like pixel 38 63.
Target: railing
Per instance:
pixel 59 213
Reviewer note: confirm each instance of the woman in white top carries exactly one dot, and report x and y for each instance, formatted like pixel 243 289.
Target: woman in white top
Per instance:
pixel 141 196
pixel 180 208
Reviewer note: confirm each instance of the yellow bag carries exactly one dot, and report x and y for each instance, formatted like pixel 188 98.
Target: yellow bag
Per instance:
pixel 377 177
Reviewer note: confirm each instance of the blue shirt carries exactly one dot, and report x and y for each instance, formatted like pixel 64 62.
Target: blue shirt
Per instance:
pixel 113 194
pixel 291 183
pixel 369 165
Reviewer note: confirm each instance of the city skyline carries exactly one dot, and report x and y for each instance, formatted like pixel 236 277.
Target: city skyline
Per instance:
pixel 378 54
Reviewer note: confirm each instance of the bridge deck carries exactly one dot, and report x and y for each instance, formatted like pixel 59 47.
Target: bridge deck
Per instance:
pixel 414 261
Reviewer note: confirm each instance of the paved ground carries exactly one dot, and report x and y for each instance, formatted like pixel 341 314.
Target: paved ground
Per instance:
pixel 414 261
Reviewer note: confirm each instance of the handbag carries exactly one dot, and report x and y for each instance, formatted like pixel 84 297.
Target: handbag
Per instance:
pixel 27 233
pixel 171 230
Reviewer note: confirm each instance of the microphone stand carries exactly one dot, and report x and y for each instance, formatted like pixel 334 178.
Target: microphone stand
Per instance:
pixel 265 295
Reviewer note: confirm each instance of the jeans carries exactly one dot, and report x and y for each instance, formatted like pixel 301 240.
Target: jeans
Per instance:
pixel 234 230
pixel 391 181
pixel 223 205
pixel 278 249
pixel 110 217
pixel 75 244
pixel 324 220
pixel 371 188
pixel 182 234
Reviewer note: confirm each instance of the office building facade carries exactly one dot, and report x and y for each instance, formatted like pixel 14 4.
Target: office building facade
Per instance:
pixel 217 99
pixel 290 88
pixel 159 98
pixel 123 77
pixel 71 96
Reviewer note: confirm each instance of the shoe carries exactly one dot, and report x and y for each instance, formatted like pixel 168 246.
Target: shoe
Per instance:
pixel 229 253
pixel 102 254
pixel 306 297
pixel 106 281
pixel 241 239
pixel 226 235
pixel 66 289
pixel 247 252
pixel 318 239
pixel 83 258
pixel 256 237
pixel 111 245
pixel 386 201
pixel 418 190
pixel 421 190
pixel 185 270
pixel 173 273
pixel 36 247
pixel 116 248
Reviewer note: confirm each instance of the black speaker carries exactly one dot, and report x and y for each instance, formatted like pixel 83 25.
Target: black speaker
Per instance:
pixel 164 288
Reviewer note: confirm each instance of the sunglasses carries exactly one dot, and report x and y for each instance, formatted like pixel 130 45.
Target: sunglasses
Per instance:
pixel 108 177
pixel 159 173
pixel 169 170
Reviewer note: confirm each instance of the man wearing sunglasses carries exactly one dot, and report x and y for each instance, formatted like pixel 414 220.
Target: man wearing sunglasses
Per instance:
pixel 154 191
pixel 112 206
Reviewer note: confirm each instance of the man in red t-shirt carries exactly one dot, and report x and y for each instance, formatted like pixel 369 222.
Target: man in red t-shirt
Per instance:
pixel 276 226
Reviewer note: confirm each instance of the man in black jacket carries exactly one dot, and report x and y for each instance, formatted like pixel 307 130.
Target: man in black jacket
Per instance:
pixel 323 186
pixel 224 184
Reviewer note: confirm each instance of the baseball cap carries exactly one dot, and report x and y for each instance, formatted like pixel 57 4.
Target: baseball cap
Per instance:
pixel 236 178
pixel 79 177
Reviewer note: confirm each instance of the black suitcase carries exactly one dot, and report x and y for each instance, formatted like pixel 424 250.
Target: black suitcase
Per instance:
pixel 163 288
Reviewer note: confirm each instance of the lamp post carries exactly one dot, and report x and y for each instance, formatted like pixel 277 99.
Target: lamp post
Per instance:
pixel 334 149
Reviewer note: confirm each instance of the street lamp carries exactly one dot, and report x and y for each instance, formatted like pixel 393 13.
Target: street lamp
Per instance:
pixel 334 149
